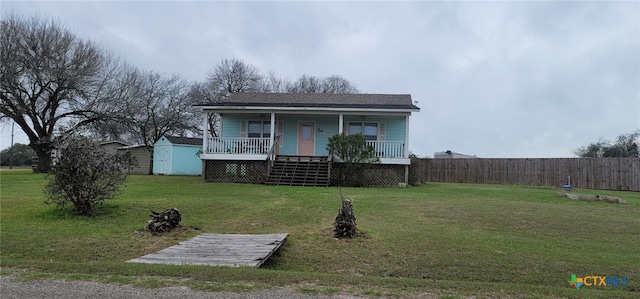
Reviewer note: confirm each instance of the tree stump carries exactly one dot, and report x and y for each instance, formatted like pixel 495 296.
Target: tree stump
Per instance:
pixel 165 221
pixel 345 224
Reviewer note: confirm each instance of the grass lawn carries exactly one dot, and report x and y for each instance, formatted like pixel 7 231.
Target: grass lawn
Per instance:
pixel 437 240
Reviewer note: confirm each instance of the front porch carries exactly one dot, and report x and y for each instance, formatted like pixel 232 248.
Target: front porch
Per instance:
pixel 317 171
pixel 259 149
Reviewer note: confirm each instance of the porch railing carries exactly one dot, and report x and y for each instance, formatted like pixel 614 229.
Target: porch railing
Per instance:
pixel 388 149
pixel 271 155
pixel 262 146
pixel 238 145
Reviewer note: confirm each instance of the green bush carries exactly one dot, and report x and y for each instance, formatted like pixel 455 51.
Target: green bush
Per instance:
pixel 85 176
pixel 353 153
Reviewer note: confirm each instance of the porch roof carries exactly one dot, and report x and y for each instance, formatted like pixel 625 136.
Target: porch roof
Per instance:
pixel 184 140
pixel 306 101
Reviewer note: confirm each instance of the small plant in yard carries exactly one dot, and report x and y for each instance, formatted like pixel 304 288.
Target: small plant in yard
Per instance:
pixel 85 176
pixel 354 154
pixel 345 223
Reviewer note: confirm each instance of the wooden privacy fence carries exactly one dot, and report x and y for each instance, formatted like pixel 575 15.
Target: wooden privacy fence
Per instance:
pixel 585 173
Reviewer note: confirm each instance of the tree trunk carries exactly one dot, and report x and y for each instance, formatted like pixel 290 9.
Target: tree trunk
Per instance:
pixel 43 151
pixel 150 161
pixel 83 207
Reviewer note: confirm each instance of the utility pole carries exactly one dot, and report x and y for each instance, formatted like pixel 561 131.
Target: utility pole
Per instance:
pixel 11 148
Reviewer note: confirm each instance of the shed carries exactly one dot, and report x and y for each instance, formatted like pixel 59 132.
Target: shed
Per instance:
pixel 142 157
pixel 174 155
pixel 111 147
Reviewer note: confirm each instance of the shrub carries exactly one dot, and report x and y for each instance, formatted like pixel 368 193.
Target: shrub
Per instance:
pixel 85 176
pixel 354 153
pixel 416 171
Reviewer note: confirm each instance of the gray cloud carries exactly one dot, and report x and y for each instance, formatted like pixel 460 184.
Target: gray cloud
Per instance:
pixel 494 79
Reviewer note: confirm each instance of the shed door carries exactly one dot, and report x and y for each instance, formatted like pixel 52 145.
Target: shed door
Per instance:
pixel 162 159
pixel 306 137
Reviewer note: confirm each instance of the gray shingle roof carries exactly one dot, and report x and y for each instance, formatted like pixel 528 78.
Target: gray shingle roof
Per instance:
pixel 114 142
pixel 384 101
pixel 184 140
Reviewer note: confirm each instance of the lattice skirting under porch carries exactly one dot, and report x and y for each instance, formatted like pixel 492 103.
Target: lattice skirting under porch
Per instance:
pixel 373 175
pixel 254 172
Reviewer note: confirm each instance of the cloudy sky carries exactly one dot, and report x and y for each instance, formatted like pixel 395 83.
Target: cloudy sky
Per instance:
pixel 493 79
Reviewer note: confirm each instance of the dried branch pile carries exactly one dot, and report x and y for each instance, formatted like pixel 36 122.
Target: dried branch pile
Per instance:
pixel 165 221
pixel 345 223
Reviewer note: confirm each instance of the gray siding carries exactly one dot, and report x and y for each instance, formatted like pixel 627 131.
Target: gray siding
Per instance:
pixel 142 156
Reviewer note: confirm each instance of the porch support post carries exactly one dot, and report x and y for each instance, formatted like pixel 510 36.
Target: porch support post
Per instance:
pixel 205 136
pixel 406 137
pixel 340 123
pixel 406 174
pixel 272 129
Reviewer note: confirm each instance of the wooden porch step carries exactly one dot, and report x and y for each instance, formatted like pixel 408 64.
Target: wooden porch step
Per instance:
pixel 301 158
pixel 299 171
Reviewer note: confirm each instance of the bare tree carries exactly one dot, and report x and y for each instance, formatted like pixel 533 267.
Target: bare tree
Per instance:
pixel 337 84
pixel 234 75
pixel 151 105
pixel 201 93
pixel 306 84
pixel 52 83
pixel 274 83
pixel 231 76
pixel 227 77
pixel 126 90
pixel 158 106
pixel 331 84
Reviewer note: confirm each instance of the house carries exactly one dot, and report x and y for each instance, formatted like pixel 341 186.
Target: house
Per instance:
pixel 281 138
pixel 177 156
pixel 142 157
pixel 450 155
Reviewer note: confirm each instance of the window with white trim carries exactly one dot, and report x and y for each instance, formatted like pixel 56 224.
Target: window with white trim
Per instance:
pixel 261 129
pixel 371 131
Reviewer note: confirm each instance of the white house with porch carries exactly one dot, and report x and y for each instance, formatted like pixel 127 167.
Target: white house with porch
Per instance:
pixel 281 138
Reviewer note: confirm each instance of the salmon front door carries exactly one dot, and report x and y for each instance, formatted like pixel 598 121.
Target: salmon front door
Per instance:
pixel 306 137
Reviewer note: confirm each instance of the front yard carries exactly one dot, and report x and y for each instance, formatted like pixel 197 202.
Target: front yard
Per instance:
pixel 438 240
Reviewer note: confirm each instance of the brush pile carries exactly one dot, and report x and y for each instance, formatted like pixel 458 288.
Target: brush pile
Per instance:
pixel 345 223
pixel 164 222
